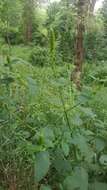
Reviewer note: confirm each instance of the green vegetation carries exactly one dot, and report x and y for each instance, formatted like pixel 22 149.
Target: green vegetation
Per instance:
pixel 39 56
pixel 53 122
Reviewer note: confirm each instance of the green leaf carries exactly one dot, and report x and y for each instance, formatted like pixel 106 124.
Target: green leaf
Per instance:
pixel 55 101
pixel 79 180
pixel 48 136
pixel 42 164
pixel 45 187
pixel 65 148
pixel 88 112
pixel 77 121
pixel 67 136
pixel 103 159
pixel 100 144
pixel 81 142
pixel 32 85
pixel 62 166
pixel 98 186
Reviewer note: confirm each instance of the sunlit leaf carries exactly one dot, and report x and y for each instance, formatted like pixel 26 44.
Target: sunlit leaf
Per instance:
pixel 103 159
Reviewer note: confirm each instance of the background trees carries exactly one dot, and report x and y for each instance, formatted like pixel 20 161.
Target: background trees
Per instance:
pixel 63 22
pixel 26 21
pixel 10 17
pixel 28 18
pixel 104 39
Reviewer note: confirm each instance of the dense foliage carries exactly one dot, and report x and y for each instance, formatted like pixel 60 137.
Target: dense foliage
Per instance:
pixel 39 56
pixel 52 136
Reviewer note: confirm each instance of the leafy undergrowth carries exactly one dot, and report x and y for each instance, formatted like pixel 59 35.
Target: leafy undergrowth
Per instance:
pixel 17 51
pixel 51 136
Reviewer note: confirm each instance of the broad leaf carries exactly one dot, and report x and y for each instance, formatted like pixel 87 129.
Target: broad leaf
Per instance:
pixel 81 142
pixel 48 136
pixel 79 180
pixel 98 186
pixel 88 112
pixel 42 164
pixel 100 144
pixel 62 166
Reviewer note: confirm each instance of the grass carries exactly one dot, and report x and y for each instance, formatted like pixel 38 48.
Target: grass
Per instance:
pixel 21 51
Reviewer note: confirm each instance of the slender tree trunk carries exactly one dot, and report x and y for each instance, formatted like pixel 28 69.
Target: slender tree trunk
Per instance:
pixel 28 19
pixel 92 5
pixel 79 51
pixel 12 183
pixel 83 7
pixel 28 32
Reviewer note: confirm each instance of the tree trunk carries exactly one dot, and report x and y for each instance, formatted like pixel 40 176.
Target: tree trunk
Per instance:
pixel 28 19
pixel 12 183
pixel 92 5
pixel 79 52
pixel 83 7
pixel 28 32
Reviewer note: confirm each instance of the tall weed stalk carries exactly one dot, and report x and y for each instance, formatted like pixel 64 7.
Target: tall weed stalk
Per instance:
pixel 53 66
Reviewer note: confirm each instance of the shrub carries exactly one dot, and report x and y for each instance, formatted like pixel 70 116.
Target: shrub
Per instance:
pixel 39 56
pixel 96 74
pixel 39 39
pixel 59 137
pixel 11 36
